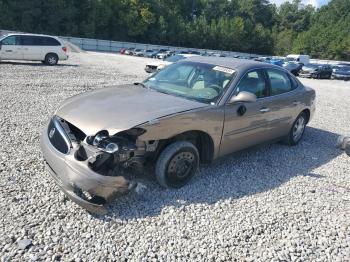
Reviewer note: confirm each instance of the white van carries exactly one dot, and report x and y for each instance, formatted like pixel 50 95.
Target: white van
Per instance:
pixel 302 59
pixel 44 48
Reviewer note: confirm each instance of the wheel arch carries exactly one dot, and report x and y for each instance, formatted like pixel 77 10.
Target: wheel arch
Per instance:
pixel 308 114
pixel 202 140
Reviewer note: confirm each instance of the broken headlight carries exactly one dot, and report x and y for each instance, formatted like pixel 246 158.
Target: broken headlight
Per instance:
pixel 110 144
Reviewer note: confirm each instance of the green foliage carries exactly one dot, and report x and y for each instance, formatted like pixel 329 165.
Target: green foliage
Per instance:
pixel 254 26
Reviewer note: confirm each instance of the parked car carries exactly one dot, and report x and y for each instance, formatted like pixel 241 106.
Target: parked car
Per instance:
pixel 154 66
pixel 163 53
pixel 190 113
pixel 277 62
pixel 302 59
pixel 138 52
pixel 341 72
pixel 122 51
pixel 150 53
pixel 129 51
pixel 316 71
pixel 265 58
pixel 47 49
pixel 292 67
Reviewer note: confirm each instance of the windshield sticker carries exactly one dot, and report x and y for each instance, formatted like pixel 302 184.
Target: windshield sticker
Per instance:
pixel 224 70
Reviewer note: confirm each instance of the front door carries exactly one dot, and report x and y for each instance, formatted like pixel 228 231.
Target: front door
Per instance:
pixel 10 48
pixel 246 124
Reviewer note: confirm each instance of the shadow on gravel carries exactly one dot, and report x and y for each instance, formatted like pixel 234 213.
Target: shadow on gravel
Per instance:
pixel 37 64
pixel 241 174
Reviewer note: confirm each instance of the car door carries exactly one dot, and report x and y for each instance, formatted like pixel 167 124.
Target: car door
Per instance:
pixel 246 124
pixel 32 47
pixel 284 102
pixel 328 71
pixel 10 48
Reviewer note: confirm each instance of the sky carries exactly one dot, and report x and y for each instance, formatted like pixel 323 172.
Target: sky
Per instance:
pixel 315 3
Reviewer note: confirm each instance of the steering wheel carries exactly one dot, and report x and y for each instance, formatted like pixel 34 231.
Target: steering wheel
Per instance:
pixel 217 88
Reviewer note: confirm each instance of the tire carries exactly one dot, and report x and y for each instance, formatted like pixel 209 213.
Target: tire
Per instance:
pixel 297 131
pixel 347 149
pixel 51 59
pixel 177 164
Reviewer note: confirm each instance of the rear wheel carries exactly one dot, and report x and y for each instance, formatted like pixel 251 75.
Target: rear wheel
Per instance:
pixel 297 131
pixel 177 164
pixel 51 59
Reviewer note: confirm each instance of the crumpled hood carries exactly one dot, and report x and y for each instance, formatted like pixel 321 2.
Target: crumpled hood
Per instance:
pixel 119 108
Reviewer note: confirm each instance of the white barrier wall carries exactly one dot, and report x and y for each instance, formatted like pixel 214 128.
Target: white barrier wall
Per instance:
pixel 115 46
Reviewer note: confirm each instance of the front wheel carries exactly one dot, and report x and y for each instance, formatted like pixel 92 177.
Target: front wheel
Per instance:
pixel 297 131
pixel 177 164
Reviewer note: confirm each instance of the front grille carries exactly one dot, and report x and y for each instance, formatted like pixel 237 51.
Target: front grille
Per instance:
pixel 58 136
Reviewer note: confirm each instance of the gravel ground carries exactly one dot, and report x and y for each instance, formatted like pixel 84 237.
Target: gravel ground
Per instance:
pixel 270 203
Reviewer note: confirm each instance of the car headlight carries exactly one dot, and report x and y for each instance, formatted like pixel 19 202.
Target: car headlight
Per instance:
pixel 102 141
pixel 99 138
pixel 111 148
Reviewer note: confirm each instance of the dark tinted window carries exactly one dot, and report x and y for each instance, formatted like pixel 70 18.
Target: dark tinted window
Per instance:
pixel 280 82
pixel 11 40
pixel 50 41
pixel 30 40
pixel 253 82
pixel 39 41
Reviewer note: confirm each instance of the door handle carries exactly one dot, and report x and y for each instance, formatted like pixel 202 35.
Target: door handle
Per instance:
pixel 264 110
pixel 296 103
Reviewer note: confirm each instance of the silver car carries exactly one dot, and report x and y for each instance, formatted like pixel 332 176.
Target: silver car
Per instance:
pixel 189 113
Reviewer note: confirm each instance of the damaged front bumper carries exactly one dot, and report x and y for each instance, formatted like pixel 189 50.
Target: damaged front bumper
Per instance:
pixel 77 180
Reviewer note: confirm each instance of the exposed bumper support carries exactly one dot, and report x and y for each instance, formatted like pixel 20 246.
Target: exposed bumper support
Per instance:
pixel 71 174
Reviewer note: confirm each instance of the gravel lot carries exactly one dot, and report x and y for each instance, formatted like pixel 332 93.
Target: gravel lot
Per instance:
pixel 271 203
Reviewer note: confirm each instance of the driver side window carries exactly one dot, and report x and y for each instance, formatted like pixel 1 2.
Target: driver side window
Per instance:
pixel 253 82
pixel 11 40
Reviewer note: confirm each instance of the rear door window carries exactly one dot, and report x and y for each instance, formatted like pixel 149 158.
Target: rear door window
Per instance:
pixel 30 40
pixel 279 81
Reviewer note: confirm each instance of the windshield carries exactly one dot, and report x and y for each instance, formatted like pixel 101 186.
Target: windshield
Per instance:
pixel 204 83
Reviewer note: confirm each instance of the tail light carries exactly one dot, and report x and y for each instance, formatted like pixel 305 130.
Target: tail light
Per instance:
pixel 64 49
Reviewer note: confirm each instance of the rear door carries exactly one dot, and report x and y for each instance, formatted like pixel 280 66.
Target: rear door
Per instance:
pixel 32 47
pixel 10 48
pixel 284 102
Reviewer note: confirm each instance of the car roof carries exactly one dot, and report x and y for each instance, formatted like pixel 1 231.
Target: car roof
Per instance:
pixel 233 63
pixel 25 34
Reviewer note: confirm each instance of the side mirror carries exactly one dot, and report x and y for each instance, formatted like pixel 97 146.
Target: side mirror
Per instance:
pixel 244 96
